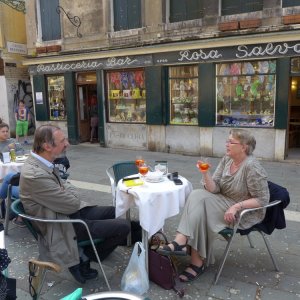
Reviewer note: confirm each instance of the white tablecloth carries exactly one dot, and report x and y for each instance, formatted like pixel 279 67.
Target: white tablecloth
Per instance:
pixel 9 167
pixel 156 201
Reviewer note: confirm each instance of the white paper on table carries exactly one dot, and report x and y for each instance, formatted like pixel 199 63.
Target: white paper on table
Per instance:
pixel 6 157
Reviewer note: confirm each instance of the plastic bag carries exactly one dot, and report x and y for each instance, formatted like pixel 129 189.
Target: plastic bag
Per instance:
pixel 135 278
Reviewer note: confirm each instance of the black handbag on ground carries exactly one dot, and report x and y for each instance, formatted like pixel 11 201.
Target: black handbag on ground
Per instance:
pixel 162 269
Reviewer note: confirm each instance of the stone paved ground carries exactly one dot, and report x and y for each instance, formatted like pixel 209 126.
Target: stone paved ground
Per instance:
pixel 248 273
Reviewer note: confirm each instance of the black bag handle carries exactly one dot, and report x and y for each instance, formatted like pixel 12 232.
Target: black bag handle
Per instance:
pixel 155 240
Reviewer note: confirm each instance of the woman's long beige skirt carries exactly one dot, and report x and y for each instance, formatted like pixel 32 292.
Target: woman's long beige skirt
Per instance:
pixel 202 219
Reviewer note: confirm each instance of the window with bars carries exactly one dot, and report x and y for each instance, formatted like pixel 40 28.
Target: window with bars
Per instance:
pixel 127 14
pixel 185 10
pixel 233 7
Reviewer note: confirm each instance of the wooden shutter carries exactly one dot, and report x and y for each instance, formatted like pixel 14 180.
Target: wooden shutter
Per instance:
pixel 207 95
pixel 1 67
pixel 177 11
pixel 281 104
pixel 232 7
pixel 134 13
pixel 155 103
pixel 41 107
pixel 50 20
pixel 185 10
pixel 288 3
pixel 194 9
pixel 127 14
pixel 120 15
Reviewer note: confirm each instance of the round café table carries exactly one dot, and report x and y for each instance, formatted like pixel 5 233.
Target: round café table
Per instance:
pixel 155 202
pixel 9 167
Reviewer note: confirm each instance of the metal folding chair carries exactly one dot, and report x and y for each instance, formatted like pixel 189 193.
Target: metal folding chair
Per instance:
pixel 229 235
pixel 13 182
pixel 18 209
pixel 118 171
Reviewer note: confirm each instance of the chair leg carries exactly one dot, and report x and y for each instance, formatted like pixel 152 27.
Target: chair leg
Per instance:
pixel 269 250
pixel 129 236
pixel 97 256
pixel 250 241
pixel 224 258
pixel 7 210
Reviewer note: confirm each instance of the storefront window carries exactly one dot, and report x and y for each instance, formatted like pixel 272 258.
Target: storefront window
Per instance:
pixel 56 96
pixel 295 65
pixel 246 93
pixel 126 96
pixel 183 84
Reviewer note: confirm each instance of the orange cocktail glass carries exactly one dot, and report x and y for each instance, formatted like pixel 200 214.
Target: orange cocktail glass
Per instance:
pixel 203 166
pixel 143 170
pixel 139 161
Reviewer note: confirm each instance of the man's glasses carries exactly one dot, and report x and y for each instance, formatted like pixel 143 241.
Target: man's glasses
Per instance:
pixel 232 143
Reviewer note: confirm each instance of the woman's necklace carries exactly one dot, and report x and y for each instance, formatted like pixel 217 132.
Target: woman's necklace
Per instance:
pixel 235 166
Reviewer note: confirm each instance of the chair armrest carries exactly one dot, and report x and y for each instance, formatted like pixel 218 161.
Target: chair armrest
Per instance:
pixel 247 210
pixel 270 204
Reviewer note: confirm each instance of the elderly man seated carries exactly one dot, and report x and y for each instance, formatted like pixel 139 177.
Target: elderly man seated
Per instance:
pixel 45 195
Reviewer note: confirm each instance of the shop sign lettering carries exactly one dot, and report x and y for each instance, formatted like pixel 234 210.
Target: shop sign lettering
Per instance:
pixel 226 53
pixel 269 49
pixel 199 54
pixel 219 54
pixel 62 67
pixel 127 135
pixel 110 63
pixel 120 62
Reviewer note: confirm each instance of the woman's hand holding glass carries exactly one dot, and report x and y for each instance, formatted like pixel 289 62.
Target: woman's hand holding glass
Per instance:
pixel 203 165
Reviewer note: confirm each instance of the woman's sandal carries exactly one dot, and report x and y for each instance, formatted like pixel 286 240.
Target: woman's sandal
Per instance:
pixel 178 249
pixel 190 277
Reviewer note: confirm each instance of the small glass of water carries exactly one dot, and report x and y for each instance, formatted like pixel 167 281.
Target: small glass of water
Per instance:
pixel 162 166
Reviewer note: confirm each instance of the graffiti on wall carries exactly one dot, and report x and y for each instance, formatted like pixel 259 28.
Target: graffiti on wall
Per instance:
pixel 23 92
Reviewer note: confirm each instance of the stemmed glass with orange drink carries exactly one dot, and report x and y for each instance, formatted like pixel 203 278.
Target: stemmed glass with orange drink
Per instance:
pixel 203 164
pixel 139 160
pixel 143 169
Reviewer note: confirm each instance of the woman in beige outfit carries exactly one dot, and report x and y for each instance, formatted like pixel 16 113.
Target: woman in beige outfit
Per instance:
pixel 239 182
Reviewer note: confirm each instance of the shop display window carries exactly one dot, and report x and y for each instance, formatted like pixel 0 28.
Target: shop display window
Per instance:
pixel 126 96
pixel 295 65
pixel 245 93
pixel 56 96
pixel 183 86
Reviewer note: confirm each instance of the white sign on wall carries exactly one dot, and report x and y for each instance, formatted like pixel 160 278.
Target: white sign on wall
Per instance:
pixel 16 48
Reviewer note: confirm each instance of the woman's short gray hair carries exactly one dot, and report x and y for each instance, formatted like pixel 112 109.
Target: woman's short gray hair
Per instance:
pixel 245 138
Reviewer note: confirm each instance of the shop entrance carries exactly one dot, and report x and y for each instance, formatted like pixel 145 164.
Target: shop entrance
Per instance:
pixel 294 118
pixel 87 107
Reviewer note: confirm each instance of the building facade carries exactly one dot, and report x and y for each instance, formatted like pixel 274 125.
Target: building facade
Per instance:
pixel 170 76
pixel 14 78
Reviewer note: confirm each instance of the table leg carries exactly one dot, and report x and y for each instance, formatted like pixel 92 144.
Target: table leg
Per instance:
pixel 145 238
